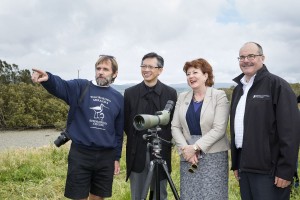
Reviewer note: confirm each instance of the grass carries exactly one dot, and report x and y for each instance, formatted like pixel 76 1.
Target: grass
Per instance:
pixel 39 174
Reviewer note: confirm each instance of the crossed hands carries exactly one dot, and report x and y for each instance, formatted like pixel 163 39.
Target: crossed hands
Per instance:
pixel 189 154
pixel 39 76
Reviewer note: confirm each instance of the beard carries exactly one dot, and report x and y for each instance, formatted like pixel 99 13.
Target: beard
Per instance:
pixel 102 81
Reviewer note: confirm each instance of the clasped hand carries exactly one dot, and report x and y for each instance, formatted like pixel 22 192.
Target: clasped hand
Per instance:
pixel 189 154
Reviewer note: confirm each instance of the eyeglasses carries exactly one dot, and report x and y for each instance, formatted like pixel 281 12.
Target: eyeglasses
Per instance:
pixel 148 66
pixel 249 57
pixel 108 56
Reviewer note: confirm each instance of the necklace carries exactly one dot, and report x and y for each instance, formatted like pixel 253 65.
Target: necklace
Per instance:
pixel 201 95
pixel 195 101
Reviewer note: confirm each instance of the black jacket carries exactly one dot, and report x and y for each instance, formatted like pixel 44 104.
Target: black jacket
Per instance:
pixel 271 126
pixel 135 103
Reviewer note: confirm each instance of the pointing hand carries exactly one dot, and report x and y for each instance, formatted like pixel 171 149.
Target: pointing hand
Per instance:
pixel 39 76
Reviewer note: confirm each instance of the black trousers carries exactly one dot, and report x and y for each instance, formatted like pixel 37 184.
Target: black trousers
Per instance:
pixel 255 186
pixel 261 187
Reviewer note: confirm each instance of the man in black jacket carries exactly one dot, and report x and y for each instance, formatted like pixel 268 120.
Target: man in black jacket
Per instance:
pixel 264 129
pixel 147 97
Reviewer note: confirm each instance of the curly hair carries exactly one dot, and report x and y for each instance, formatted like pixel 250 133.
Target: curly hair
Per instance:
pixel 204 66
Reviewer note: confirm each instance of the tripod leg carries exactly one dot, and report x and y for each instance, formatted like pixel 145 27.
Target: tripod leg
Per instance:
pixel 148 181
pixel 157 183
pixel 173 188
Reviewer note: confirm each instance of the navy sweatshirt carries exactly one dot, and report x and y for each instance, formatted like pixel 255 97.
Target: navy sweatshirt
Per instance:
pixel 97 121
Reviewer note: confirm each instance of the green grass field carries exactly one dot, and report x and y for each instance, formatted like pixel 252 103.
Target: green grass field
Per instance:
pixel 39 174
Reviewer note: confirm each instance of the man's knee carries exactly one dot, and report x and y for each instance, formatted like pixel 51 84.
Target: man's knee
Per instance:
pixel 94 197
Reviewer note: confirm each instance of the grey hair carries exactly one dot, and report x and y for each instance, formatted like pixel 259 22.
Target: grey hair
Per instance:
pixel 260 50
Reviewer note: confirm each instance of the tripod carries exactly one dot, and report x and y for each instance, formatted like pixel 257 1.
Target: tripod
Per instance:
pixel 155 143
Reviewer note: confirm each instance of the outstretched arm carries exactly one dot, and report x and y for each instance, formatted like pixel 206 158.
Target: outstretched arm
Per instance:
pixel 39 76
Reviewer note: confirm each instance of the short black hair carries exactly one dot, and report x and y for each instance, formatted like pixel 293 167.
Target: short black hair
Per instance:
pixel 160 60
pixel 298 99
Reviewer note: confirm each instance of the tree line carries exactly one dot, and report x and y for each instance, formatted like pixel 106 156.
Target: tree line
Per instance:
pixel 26 105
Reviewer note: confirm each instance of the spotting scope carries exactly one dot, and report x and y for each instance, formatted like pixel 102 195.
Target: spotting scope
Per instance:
pixel 144 121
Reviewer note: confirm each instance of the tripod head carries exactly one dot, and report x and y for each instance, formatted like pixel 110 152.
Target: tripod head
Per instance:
pixel 154 141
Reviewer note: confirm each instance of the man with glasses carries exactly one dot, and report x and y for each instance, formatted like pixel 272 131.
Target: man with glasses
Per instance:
pixel 95 126
pixel 264 125
pixel 147 97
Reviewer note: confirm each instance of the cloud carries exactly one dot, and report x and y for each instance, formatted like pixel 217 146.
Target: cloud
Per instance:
pixel 66 37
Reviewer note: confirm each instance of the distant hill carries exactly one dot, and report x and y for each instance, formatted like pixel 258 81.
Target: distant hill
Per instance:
pixel 179 87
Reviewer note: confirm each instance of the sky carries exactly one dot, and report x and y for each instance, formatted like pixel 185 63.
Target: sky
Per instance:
pixel 65 37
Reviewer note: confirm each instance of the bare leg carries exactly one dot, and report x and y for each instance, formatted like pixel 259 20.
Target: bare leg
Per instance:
pixel 94 197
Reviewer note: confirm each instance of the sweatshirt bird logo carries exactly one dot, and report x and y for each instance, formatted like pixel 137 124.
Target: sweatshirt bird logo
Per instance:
pixel 99 111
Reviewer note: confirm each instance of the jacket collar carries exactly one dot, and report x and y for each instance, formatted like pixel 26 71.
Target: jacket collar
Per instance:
pixel 259 75
pixel 157 88
pixel 206 101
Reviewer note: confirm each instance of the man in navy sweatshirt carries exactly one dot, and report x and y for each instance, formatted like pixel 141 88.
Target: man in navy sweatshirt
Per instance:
pixel 95 127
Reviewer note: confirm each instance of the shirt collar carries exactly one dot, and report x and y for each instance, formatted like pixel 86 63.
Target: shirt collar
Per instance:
pixel 157 88
pixel 244 82
pixel 95 83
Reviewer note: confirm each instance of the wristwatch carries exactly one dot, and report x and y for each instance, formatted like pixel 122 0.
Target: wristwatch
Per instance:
pixel 195 147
